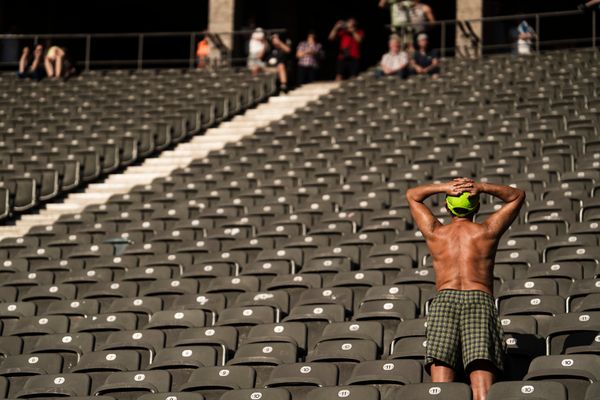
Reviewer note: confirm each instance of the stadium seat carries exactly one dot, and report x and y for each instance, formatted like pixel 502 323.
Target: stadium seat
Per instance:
pixel 516 390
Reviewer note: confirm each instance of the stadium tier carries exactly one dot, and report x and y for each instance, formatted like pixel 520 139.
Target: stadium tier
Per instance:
pixel 56 136
pixel 286 266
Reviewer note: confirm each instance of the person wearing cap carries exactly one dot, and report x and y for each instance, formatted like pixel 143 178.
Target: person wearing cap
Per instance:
pixel 463 329
pixel 425 61
pixel 257 50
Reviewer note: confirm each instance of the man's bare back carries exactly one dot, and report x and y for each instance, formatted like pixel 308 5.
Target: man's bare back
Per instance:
pixel 463 251
pixel 463 255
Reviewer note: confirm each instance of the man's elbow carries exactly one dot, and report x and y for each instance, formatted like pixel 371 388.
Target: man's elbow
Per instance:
pixel 410 195
pixel 521 196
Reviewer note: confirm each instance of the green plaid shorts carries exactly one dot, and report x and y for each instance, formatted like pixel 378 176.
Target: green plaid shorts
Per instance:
pixel 464 321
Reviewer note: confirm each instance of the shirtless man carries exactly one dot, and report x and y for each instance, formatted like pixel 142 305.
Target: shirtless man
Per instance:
pixel 463 323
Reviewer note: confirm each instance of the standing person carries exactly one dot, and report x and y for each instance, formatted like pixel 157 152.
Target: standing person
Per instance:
pixel 350 38
pixel 395 61
pixel 463 323
pixel 257 50
pixel 31 68
pixel 280 51
pixel 203 53
pixel 425 61
pixel 308 54
pixel 408 17
pixel 524 35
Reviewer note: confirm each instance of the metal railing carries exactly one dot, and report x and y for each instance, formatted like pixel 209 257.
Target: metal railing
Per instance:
pixel 537 18
pixel 86 44
pixel 89 42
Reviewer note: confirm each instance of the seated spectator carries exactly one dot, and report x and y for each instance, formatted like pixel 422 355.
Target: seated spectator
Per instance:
pixel 350 37
pixel 257 50
pixel 309 53
pixel 278 58
pixel 31 68
pixel 203 53
pixel 395 61
pixel 54 62
pixel 425 61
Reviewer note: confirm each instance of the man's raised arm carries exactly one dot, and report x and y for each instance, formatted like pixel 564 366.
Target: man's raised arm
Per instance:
pixel 498 222
pixel 423 217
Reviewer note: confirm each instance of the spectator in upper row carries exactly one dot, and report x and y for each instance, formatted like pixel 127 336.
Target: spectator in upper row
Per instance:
pixel 408 17
pixel 395 61
pixel 203 53
pixel 56 63
pixel 309 54
pixel 349 38
pixel 31 68
pixel 425 61
pixel 280 49
pixel 257 50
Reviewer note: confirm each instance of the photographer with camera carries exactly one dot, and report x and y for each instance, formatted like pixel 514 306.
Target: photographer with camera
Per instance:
pixel 350 38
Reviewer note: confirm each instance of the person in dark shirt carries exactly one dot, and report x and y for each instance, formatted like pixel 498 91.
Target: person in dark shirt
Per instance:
pixel 425 61
pixel 279 56
pixel 350 38
pixel 33 69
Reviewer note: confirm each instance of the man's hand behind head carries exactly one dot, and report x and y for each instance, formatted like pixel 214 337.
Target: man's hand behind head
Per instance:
pixel 458 186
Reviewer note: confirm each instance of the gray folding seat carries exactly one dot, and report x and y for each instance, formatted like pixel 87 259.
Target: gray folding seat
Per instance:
pixel 71 346
pixel 117 265
pixel 213 382
pixel 409 339
pixel 521 390
pixel 593 391
pixel 586 255
pixel 564 274
pixel 573 333
pixel 583 295
pixel 29 327
pixel 575 371
pixel 99 365
pixel 562 242
pixel 250 394
pixel 180 362
pixel 55 385
pixel 105 292
pixel 168 290
pixel 386 375
pixel 231 287
pixel 173 322
pixel 345 392
pixel 17 369
pixel 263 357
pixel 277 299
pixel 211 304
pixel 422 278
pixel 300 378
pixel 142 307
pixel 101 325
pixel 145 342
pixel 425 391
pixel 223 339
pixel 10 346
pixel 131 385
pixel 243 318
pixel 172 396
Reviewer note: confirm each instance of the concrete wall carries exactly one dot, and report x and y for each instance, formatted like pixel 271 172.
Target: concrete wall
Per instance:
pixel 221 18
pixel 469 9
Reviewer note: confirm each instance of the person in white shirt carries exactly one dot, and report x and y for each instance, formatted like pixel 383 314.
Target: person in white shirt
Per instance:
pixel 395 61
pixel 257 50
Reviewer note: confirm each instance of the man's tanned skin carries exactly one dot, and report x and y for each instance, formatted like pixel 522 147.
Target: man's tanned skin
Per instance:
pixel 463 253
